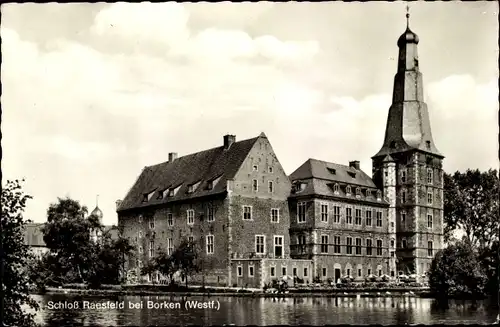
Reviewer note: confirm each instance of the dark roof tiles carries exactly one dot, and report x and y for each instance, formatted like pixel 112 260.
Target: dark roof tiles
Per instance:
pixel 204 167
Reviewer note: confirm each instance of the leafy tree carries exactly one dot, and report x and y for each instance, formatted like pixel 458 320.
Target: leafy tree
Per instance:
pixel 471 203
pixel 184 259
pixel 187 259
pixel 15 256
pixel 67 234
pixel 110 260
pixel 162 263
pixel 456 272
pixel 490 260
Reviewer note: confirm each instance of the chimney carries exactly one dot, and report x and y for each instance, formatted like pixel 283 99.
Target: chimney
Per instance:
pixel 228 141
pixel 354 164
pixel 172 156
pixel 118 203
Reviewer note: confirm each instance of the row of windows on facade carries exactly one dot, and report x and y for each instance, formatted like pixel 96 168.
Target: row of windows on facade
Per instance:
pixel 349 246
pixel 430 197
pixel 284 269
pixel 430 219
pixel 209 245
pixel 172 191
pixel 300 186
pixel 247 215
pixel 325 214
pixel 403 175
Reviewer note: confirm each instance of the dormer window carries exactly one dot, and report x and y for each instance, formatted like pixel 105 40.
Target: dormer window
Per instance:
pixel 352 174
pixel 299 187
pixel 336 188
pixel 332 171
pixel 428 145
pixel 358 191
pixel 147 196
pixel 379 195
pixel 191 188
pixel 348 190
pixel 160 195
pixel 211 183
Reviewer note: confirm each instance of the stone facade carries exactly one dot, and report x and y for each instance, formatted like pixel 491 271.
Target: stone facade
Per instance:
pixel 325 238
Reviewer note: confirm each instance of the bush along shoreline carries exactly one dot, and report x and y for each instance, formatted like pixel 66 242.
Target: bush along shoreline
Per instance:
pixel 387 291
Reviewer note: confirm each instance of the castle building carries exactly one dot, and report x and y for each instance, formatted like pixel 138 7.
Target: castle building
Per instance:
pixel 408 167
pixel 324 221
pixel 339 220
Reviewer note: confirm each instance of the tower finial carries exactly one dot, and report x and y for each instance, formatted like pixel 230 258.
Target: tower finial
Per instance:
pixel 97 200
pixel 407 16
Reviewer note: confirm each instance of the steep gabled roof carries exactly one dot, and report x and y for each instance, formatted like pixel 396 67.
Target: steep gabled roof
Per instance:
pixel 216 164
pixel 313 168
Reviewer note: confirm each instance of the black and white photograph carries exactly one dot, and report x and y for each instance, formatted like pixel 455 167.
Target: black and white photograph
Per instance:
pixel 253 163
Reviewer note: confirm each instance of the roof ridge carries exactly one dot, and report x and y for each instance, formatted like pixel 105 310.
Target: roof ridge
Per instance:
pixel 203 151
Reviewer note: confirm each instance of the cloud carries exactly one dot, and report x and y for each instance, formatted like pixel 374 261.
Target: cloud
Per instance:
pixel 152 79
pixel 166 25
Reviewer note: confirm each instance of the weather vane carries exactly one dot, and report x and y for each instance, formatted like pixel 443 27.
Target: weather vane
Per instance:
pixel 407 16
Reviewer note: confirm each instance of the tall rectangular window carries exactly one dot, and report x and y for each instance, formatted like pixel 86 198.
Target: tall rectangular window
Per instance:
pixel 429 197
pixel 255 185
pixel 358 246
pixel 210 214
pixel 379 218
pixel 190 217
pixel 170 219
pixel 324 243
pixel 152 223
pixel 170 246
pixel 429 175
pixel 368 246
pixel 278 246
pixel 251 271
pixel 301 212
pixel 403 217
pixel 260 244
pixel 210 244
pixel 336 214
pixel 403 176
pixel 348 247
pixel 379 247
pixel 273 271
pixel 247 213
pixel 270 186
pixel 151 249
pixel 429 220
pixel 275 215
pixel 403 196
pixel 336 245
pixel 324 213
pixel 429 249
pixel 368 217
pixel 348 215
pixel 357 217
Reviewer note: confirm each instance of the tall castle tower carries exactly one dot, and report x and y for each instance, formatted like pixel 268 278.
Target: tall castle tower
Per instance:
pixel 408 167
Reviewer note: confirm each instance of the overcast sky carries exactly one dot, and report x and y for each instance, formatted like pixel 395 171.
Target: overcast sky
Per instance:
pixel 92 93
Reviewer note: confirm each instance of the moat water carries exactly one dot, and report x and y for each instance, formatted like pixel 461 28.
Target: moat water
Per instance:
pixel 81 310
